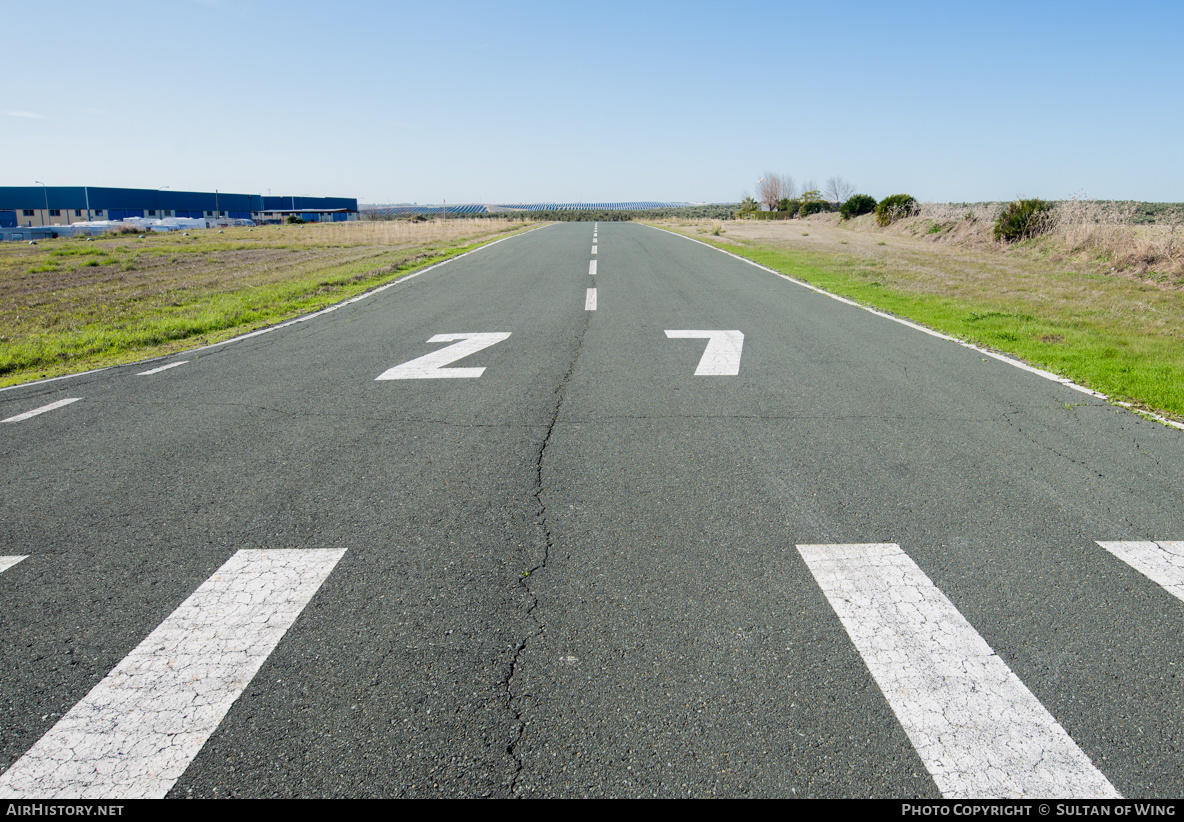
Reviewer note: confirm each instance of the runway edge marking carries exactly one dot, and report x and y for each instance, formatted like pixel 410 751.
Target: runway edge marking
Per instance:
pixel 295 320
pixel 1048 375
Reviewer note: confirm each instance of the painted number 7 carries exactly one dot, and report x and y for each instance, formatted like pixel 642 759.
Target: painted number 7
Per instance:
pixel 722 355
pixel 431 366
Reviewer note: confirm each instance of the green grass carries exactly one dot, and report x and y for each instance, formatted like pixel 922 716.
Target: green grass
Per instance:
pixel 86 332
pixel 1124 340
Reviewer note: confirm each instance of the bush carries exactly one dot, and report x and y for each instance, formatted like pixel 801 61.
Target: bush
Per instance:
pixel 789 206
pixel 813 207
pixel 294 220
pixel 895 207
pixel 810 202
pixel 857 205
pixel 1023 219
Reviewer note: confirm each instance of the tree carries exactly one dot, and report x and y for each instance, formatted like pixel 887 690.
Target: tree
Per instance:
pixel 773 188
pixel 812 203
pixel 748 205
pixel 838 191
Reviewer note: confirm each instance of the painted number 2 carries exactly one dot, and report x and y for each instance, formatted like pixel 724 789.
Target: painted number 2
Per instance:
pixel 431 366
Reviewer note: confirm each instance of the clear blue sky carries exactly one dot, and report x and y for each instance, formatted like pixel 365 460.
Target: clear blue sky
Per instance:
pixel 522 101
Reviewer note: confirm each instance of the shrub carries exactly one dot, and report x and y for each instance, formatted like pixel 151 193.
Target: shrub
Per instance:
pixel 789 206
pixel 1023 219
pixel 813 207
pixel 895 207
pixel 812 203
pixel 294 220
pixel 857 205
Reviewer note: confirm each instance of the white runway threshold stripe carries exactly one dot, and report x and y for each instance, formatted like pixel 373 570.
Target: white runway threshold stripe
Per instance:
pixel 8 562
pixel 1161 562
pixel 590 300
pixel 136 732
pixel 41 410
pixel 980 732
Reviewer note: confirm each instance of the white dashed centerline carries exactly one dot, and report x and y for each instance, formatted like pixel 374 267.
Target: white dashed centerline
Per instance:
pixel 161 368
pixel 592 267
pixel 41 410
pixel 136 732
pixel 977 728
pixel 1161 562
pixel 590 300
pixel 594 249
pixel 8 562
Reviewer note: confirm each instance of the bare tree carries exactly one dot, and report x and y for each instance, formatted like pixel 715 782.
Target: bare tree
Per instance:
pixel 838 190
pixel 791 189
pixel 773 188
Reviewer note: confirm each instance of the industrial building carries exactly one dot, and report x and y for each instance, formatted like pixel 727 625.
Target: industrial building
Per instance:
pixel 35 206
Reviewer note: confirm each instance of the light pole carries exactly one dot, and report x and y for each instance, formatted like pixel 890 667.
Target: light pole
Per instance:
pixel 45 215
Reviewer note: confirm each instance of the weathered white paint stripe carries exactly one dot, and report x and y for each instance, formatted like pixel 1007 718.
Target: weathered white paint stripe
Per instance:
pixel 1161 562
pixel 592 267
pixel 161 368
pixel 594 248
pixel 8 562
pixel 1048 375
pixel 977 728
pixel 365 296
pixel 135 733
pixel 306 317
pixel 590 300
pixel 42 409
pixel 722 354
pixel 1137 410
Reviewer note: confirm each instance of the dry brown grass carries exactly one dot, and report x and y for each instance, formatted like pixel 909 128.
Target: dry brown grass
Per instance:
pixel 1092 235
pixel 967 268
pixel 1057 301
pixel 392 232
pixel 68 304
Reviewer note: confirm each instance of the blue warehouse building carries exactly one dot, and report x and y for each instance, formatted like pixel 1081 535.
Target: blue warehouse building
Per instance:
pixel 62 205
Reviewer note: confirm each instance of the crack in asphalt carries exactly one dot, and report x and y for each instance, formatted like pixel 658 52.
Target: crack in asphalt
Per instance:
pixel 512 699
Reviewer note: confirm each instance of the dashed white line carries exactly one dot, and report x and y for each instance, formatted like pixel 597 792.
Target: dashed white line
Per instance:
pixel 590 300
pixel 593 249
pixel 1161 562
pixel 161 368
pixel 722 355
pixel 592 267
pixel 8 562
pixel 298 320
pixel 41 410
pixel 977 728
pixel 135 733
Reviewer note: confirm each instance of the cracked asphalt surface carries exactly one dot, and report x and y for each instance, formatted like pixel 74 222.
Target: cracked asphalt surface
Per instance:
pixel 577 575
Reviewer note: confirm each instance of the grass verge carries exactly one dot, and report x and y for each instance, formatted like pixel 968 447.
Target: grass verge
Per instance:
pixel 1116 335
pixel 67 305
